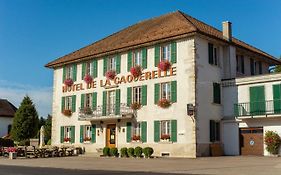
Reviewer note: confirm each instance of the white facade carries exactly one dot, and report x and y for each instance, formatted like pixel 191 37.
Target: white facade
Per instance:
pixel 4 124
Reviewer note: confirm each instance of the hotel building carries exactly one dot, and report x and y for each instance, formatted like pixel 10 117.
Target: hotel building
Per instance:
pixel 180 104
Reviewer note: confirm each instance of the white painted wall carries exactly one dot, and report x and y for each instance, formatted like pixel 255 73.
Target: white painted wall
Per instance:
pixel 4 123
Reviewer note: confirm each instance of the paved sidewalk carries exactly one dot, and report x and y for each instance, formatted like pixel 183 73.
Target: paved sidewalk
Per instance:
pixel 209 165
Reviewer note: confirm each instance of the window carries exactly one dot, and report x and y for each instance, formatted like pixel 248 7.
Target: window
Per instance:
pixel 87 132
pixel 214 55
pixel 137 95
pixel 111 102
pixel 67 132
pixel 88 68
pixel 260 67
pixel 88 100
pixel 214 131
pixel 68 102
pixel 216 93
pixel 166 52
pixel 68 72
pixel 111 64
pixel 136 129
pixel 255 65
pixel 165 127
pixel 240 64
pixel 166 91
pixel 137 58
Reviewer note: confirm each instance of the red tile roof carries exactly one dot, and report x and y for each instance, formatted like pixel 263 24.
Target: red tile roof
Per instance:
pixel 169 26
pixel 7 109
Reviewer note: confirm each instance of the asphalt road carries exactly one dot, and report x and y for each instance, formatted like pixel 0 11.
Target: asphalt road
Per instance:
pixel 19 170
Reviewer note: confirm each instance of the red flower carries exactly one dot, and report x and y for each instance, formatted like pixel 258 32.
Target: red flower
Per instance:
pixel 110 74
pixel 88 79
pixel 67 139
pixel 164 103
pixel 11 149
pixel 67 112
pixel 164 65
pixel 68 82
pixel 135 106
pixel 87 139
pixel 136 137
pixel 136 71
pixel 165 136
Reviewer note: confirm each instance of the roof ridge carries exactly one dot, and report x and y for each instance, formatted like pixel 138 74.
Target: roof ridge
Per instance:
pixel 184 15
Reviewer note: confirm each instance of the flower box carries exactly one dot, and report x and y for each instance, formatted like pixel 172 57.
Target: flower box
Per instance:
pixel 87 139
pixel 136 138
pixel 165 137
pixel 67 139
pixel 164 103
pixel 136 71
pixel 135 106
pixel 110 74
pixel 67 112
pixel 68 82
pixel 88 79
pixel 164 65
pixel 87 111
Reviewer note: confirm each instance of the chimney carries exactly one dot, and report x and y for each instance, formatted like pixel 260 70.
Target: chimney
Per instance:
pixel 227 30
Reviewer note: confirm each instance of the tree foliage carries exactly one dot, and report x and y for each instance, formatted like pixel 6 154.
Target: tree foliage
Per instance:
pixel 25 122
pixel 277 67
pixel 48 128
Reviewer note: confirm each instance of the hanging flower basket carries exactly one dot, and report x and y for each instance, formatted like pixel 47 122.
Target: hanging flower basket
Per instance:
pixel 87 110
pixel 136 71
pixel 136 138
pixel 165 137
pixel 68 82
pixel 110 74
pixel 135 106
pixel 272 141
pixel 67 112
pixel 87 139
pixel 67 139
pixel 164 103
pixel 88 79
pixel 164 65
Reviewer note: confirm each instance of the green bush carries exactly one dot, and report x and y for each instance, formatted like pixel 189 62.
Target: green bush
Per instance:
pixel 49 142
pixel 105 151
pixel 131 152
pixel 123 152
pixel 24 142
pixel 148 151
pixel 114 152
pixel 6 142
pixel 272 141
pixel 138 151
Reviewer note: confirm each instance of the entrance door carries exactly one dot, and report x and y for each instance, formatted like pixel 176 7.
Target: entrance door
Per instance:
pixel 251 141
pixel 111 136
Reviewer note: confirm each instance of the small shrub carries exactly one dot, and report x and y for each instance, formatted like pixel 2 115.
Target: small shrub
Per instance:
pixel 272 141
pixel 131 152
pixel 49 142
pixel 24 142
pixel 105 151
pixel 138 151
pixel 124 152
pixel 114 152
pixel 148 151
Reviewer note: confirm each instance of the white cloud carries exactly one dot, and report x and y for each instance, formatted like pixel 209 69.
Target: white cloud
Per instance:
pixel 41 96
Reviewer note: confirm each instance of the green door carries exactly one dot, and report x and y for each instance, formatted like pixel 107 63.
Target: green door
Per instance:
pixel 257 100
pixel 276 98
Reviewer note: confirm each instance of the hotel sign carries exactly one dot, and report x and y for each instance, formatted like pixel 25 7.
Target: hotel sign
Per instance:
pixel 148 75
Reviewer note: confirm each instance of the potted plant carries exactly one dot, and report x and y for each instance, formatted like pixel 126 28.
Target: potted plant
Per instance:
pixel 110 74
pixel 164 103
pixel 164 65
pixel 87 111
pixel 272 141
pixel 136 71
pixel 136 138
pixel 68 82
pixel 165 137
pixel 67 112
pixel 87 139
pixel 67 139
pixel 12 152
pixel 88 79
pixel 135 106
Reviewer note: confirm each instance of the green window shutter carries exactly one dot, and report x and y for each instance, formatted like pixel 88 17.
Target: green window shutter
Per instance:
pixel 117 102
pixel 94 133
pixel 61 134
pixel 118 64
pixel 83 70
pixel 257 100
pixel 94 100
pixel 81 133
pixel 144 95
pixel 211 55
pixel 144 132
pixel 144 58
pixel 95 68
pixel 173 52
pixel 216 93
pixel 129 96
pixel 82 101
pixel 156 92
pixel 174 130
pixel 73 107
pixel 129 61
pixel 156 131
pixel 74 72
pixel 72 134
pixel 156 55
pixel 63 73
pixel 104 65
pixel 212 130
pixel 277 98
pixel 104 98
pixel 62 103
pixel 174 91
pixel 129 131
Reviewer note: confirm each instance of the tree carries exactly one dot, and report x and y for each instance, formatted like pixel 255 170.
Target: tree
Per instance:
pixel 25 122
pixel 277 67
pixel 42 122
pixel 48 128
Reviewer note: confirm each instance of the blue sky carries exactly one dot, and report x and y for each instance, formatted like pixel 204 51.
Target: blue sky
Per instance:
pixel 34 32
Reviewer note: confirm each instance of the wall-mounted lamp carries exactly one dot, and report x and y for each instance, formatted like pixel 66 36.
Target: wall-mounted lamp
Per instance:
pixel 190 109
